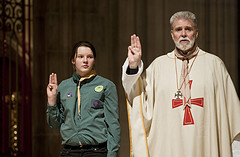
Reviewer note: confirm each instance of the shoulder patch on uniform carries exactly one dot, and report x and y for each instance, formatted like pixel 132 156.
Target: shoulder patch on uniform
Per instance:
pixel 69 95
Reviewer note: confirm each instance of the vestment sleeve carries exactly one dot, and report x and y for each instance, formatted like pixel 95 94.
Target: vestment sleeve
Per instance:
pixel 232 103
pixel 55 114
pixel 111 113
pixel 140 101
pixel 234 111
pixel 140 87
pixel 129 81
pixel 230 98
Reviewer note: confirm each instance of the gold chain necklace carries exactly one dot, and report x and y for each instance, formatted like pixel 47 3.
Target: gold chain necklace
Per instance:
pixel 179 93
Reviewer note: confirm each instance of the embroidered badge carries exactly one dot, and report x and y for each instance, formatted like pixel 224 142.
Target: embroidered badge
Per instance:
pixel 99 88
pixel 96 103
pixel 69 95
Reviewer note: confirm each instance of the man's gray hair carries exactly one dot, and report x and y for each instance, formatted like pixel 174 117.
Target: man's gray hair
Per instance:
pixel 183 15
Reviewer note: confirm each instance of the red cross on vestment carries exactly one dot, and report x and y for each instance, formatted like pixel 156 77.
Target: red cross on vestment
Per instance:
pixel 188 119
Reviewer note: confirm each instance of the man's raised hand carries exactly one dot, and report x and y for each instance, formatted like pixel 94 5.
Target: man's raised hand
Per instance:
pixel 134 52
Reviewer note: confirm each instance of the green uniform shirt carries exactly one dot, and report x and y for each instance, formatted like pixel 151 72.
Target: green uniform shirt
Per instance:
pixel 99 120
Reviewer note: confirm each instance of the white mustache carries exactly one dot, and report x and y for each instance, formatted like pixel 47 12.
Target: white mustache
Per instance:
pixel 183 38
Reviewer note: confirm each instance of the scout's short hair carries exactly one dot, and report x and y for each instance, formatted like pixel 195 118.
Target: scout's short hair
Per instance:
pixel 82 43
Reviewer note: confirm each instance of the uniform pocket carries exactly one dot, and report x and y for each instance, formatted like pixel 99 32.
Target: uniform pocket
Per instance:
pixel 97 107
pixel 97 104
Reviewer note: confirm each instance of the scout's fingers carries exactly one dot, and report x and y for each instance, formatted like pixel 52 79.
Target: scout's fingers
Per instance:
pixel 50 87
pixel 53 78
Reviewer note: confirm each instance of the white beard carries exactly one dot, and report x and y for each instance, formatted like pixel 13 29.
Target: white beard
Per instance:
pixel 184 47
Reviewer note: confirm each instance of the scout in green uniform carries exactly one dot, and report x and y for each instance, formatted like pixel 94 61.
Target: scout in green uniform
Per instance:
pixel 85 108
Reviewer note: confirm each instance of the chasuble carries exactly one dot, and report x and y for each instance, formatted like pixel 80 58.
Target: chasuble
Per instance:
pixel 159 123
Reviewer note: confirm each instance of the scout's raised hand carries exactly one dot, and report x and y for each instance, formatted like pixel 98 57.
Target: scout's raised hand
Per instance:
pixel 134 52
pixel 52 89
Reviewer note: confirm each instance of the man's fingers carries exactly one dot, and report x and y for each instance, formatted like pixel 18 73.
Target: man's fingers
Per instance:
pixel 135 48
pixel 132 40
pixel 138 45
pixel 134 51
pixel 135 41
pixel 130 50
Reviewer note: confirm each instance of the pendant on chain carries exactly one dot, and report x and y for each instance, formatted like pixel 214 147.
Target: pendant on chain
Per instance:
pixel 178 94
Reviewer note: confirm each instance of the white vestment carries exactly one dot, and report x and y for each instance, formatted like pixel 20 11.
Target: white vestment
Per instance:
pixel 156 123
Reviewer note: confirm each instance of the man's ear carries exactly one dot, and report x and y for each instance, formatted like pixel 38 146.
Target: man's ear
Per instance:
pixel 171 32
pixel 196 33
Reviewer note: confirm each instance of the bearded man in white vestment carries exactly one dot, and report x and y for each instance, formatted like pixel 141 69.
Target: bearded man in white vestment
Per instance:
pixel 184 104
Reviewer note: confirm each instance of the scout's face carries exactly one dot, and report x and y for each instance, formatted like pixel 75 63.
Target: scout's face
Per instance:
pixel 84 61
pixel 184 34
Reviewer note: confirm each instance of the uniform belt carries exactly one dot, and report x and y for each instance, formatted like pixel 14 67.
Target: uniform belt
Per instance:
pixel 101 145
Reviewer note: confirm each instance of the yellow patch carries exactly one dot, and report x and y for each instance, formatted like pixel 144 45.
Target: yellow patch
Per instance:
pixel 99 88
